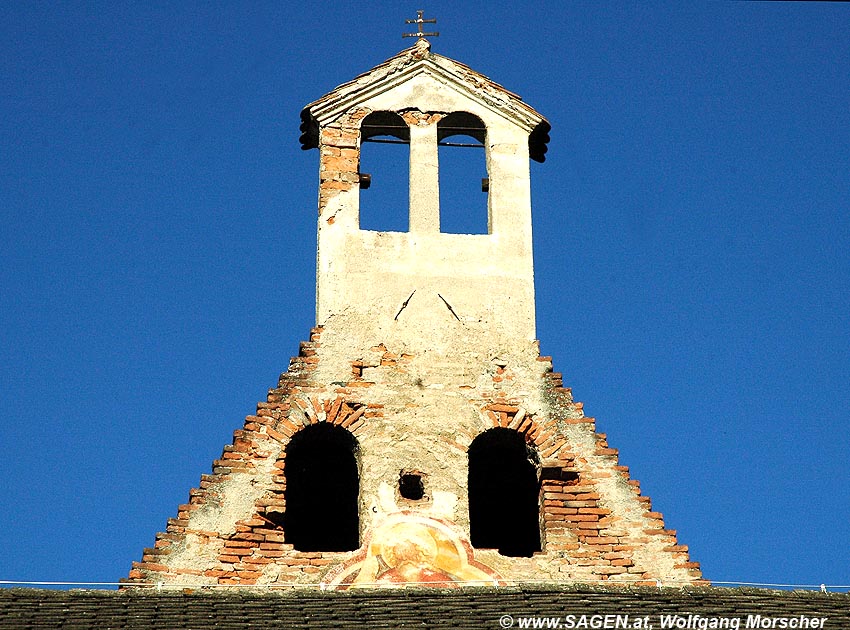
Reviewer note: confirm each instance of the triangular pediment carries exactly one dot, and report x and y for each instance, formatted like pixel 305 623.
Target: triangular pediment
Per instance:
pixel 416 62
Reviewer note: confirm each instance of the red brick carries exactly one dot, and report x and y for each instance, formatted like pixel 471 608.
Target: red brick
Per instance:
pixel 272 545
pixel 501 407
pixel 151 566
pixel 581 517
pixel 239 543
pixel 599 540
pixel 228 559
pixel 256 560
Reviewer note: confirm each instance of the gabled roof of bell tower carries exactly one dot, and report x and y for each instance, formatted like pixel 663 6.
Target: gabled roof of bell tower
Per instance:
pixel 410 62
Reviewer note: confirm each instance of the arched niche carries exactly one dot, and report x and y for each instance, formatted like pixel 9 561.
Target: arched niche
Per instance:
pixel 504 493
pixel 322 489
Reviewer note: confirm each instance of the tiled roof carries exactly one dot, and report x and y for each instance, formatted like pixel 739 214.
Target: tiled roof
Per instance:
pixel 24 609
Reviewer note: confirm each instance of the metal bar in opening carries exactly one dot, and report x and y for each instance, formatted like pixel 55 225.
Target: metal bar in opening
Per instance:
pixel 385 141
pixel 460 144
pixel 441 144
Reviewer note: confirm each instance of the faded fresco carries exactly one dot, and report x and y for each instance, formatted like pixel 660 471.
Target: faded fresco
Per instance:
pixel 409 549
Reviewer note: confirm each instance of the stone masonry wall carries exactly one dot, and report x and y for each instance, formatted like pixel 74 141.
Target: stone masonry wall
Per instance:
pixel 595 524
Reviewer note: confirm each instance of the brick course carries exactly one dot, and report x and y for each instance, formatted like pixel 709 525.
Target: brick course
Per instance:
pixel 585 537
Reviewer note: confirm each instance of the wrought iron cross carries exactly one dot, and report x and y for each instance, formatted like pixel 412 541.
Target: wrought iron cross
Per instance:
pixel 419 21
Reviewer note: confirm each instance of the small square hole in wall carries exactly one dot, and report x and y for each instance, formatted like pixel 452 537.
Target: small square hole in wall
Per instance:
pixel 411 486
pixel 569 477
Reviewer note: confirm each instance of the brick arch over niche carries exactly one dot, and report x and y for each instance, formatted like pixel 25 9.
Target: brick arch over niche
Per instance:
pixel 318 432
pixel 322 489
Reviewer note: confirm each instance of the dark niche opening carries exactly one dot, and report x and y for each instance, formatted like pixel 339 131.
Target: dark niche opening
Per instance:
pixel 322 488
pixel 411 486
pixel 504 493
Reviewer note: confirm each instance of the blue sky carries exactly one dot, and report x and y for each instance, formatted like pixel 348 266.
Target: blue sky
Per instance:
pixel 692 250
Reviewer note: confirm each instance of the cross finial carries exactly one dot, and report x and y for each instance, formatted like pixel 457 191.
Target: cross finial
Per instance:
pixel 419 21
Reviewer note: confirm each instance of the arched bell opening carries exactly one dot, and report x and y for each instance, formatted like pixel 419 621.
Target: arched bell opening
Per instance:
pixel 384 172
pixel 464 178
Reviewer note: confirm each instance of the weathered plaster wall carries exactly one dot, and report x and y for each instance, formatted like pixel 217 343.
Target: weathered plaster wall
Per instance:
pixel 419 411
pixel 426 341
pixel 485 278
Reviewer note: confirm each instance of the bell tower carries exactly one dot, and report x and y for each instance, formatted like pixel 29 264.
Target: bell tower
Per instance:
pixel 413 284
pixel 419 438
